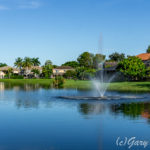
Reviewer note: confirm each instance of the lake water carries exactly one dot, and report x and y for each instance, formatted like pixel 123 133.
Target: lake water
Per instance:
pixel 32 118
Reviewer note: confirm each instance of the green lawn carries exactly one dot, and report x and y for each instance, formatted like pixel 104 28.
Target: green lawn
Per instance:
pixel 116 86
pixel 130 86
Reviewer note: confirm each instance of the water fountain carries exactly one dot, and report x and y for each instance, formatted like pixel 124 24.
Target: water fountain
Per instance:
pixel 100 84
pixel 102 80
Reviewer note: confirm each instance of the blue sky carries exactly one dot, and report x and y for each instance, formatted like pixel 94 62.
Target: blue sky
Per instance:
pixel 60 30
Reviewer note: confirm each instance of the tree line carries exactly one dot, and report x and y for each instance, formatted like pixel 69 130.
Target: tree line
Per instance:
pixel 87 64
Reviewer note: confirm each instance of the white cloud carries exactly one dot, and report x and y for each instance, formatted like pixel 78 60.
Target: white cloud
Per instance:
pixel 19 4
pixel 30 5
pixel 2 7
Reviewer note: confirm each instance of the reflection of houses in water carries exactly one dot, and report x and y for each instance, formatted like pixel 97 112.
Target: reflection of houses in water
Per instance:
pixel 2 86
pixel 146 115
pixel 16 88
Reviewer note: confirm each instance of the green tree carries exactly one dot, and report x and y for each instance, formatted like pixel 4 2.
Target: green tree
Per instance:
pixel 117 57
pixel 89 73
pixel 97 59
pixel 35 61
pixel 3 64
pixel 27 63
pixel 35 72
pixel 47 69
pixel 73 64
pixel 10 70
pixel 81 73
pixel 71 74
pixel 18 62
pixel 55 66
pixel 48 63
pixel 133 68
pixel 86 60
pixel 148 49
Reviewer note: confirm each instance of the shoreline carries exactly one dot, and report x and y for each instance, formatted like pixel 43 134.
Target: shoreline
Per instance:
pixel 86 84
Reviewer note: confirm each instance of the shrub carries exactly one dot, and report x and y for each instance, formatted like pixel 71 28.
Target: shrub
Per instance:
pixel 14 76
pixel 133 68
pixel 58 82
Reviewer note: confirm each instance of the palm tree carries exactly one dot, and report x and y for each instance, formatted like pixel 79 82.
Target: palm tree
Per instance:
pixel 18 63
pixel 27 63
pixel 10 70
pixel 36 61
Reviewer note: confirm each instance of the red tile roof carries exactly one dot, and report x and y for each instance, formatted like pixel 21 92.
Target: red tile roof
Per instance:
pixel 144 56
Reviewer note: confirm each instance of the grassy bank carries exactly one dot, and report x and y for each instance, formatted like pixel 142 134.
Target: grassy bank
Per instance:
pixel 130 86
pixel 116 86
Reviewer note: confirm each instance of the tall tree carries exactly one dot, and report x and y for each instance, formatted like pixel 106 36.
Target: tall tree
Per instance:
pixel 73 64
pixel 10 70
pixel 27 63
pixel 18 62
pixel 36 61
pixel 148 49
pixel 48 62
pixel 117 57
pixel 86 60
pixel 47 69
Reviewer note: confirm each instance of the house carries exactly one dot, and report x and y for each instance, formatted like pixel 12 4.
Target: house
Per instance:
pixel 110 64
pixel 61 70
pixel 110 72
pixel 2 74
pixel 145 57
pixel 28 72
pixel 4 71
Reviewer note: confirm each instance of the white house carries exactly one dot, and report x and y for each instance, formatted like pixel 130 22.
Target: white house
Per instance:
pixel 2 74
pixel 4 70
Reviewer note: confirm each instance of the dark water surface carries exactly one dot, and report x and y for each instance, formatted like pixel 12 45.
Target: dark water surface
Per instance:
pixel 32 118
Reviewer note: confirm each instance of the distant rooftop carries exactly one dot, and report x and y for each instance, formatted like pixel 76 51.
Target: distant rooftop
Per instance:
pixel 144 56
pixel 5 68
pixel 64 67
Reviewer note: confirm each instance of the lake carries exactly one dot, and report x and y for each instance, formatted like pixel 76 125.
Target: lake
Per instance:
pixel 33 118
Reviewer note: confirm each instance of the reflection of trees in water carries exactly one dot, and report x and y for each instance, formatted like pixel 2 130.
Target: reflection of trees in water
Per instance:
pixel 132 110
pixel 91 108
pixel 27 103
pixel 23 86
